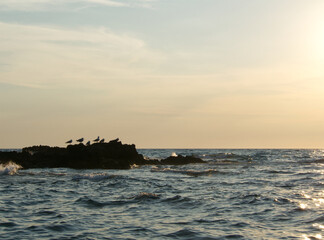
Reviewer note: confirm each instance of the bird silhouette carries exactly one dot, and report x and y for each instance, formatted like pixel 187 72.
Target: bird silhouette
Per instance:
pixel 88 143
pixel 80 140
pixel 102 140
pixel 114 141
pixel 97 139
pixel 70 141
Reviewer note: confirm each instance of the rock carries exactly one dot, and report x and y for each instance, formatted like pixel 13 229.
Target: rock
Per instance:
pixel 173 160
pixel 111 155
pixel 181 160
pixel 6 157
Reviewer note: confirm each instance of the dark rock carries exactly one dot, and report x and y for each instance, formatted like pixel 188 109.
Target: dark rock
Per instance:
pixel 6 157
pixel 181 160
pixel 111 155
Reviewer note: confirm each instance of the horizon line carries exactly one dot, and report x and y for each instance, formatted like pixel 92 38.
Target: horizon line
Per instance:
pixel 200 148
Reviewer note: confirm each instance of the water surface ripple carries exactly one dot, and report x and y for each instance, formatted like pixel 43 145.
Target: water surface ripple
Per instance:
pixel 239 194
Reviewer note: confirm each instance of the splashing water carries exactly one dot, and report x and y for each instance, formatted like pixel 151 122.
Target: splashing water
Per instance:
pixel 10 168
pixel 174 154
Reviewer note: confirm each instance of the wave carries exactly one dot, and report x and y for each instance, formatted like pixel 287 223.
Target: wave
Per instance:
pixel 178 199
pixel 59 227
pixel 187 172
pixel 145 196
pixel 319 161
pixel 92 176
pixel 134 166
pixel 273 171
pixel 283 200
pixel 9 168
pixel 8 224
pixel 88 202
pixel 222 156
pixel 317 220
pixel 186 233
pixel 183 233
pixel 91 203
pixel 253 198
pixel 174 154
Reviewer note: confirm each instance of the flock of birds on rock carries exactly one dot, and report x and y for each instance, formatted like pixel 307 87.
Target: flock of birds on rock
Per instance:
pixel 97 140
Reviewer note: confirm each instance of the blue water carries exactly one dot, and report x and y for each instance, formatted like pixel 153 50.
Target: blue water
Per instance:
pixel 239 194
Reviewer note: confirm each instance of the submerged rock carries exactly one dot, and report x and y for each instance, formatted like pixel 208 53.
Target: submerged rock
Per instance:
pixel 111 155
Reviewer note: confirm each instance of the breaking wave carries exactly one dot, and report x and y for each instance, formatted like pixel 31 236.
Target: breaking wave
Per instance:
pixel 10 168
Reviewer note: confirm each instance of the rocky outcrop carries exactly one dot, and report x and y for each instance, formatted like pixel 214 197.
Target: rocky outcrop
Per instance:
pixel 111 155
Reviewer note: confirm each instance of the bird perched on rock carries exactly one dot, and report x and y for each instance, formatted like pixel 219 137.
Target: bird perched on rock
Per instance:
pixel 114 141
pixel 97 139
pixel 80 140
pixel 70 141
pixel 102 140
pixel 88 143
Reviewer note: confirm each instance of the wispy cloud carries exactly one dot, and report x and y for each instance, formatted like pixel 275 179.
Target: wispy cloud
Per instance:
pixel 47 56
pixel 41 5
pixel 108 3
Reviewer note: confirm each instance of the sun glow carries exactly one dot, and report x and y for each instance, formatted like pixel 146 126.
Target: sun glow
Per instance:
pixel 318 27
pixel 319 42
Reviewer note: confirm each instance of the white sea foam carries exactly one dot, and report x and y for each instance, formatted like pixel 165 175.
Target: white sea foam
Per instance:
pixel 134 166
pixel 174 154
pixel 9 168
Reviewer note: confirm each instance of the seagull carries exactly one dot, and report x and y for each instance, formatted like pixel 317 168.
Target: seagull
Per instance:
pixel 70 141
pixel 97 139
pixel 115 140
pixel 102 140
pixel 80 140
pixel 88 143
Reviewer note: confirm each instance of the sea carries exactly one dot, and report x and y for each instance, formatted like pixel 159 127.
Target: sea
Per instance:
pixel 238 194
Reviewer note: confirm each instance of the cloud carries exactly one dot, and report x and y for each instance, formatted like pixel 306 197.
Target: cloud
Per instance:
pixel 89 57
pixel 123 68
pixel 107 3
pixel 48 5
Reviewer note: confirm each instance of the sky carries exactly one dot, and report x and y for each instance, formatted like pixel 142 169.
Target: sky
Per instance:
pixel 163 73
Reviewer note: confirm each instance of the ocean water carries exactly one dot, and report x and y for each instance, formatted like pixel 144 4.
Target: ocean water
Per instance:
pixel 239 194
